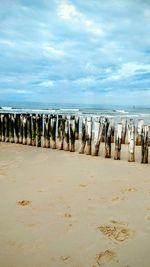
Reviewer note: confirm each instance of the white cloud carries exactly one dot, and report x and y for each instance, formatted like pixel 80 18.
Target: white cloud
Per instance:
pixel 69 12
pixel 50 50
pixel 10 91
pixel 85 80
pixel 23 92
pixel 128 70
pixel 8 43
pixel 49 83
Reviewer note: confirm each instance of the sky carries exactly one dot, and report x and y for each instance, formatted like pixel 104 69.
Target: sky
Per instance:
pixel 75 51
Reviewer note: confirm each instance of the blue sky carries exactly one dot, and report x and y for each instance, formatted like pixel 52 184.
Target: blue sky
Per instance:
pixel 77 51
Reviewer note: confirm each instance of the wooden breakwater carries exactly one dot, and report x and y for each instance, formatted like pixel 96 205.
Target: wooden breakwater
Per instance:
pixel 62 131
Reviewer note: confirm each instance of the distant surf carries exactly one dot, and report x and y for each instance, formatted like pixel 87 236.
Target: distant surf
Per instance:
pixel 91 110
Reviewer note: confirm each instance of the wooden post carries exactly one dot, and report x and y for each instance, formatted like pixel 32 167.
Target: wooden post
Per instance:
pixel 124 130
pixel 118 141
pixel 20 128
pixel 72 134
pixel 11 128
pixel 6 127
pixel 88 136
pixel 103 131
pixel 60 131
pixel 66 134
pixel 29 130
pixel 33 129
pixel 131 142
pixel 140 124
pixel 53 132
pixel 16 128
pixel 112 130
pixel 24 121
pixel 98 129
pixel 107 139
pixel 38 130
pixel 144 144
pixel 83 136
pixel 76 127
pixel 43 143
pixel 47 129
pixel 149 135
pixel 2 127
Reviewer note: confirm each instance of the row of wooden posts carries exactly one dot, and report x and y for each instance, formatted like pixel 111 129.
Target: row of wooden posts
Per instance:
pixel 60 131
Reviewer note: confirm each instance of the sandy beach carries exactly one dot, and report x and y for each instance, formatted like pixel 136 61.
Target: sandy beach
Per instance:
pixel 65 209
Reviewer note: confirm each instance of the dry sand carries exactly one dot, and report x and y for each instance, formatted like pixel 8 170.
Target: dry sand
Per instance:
pixel 64 209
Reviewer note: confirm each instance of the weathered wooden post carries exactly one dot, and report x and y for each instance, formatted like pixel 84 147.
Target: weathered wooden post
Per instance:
pixel 96 139
pixel 144 144
pixel 107 139
pixel 112 130
pixel 20 128
pixel 60 131
pixel 124 130
pixel 33 129
pixel 118 141
pixel 11 128
pixel 38 130
pixel 47 130
pixel 149 135
pixel 103 131
pixel 2 127
pixel 24 121
pixel 140 124
pixel 88 129
pixel 6 127
pixel 16 128
pixel 43 143
pixel 72 134
pixel 98 129
pixel 76 127
pixel 83 136
pixel 29 130
pixel 131 142
pixel 53 132
pixel 66 134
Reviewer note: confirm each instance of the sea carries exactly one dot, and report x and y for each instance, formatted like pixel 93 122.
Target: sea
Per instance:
pixel 113 112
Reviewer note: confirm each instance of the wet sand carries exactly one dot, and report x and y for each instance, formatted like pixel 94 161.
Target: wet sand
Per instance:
pixel 64 209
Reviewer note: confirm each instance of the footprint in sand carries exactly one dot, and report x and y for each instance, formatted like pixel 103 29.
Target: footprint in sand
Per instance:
pixel 31 225
pixel 119 222
pixel 130 190
pixel 117 199
pixel 65 258
pixel 24 202
pixel 104 257
pixel 116 230
pixel 67 215
pixel 82 185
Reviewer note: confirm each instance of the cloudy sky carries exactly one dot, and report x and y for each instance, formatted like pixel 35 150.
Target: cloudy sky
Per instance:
pixel 75 51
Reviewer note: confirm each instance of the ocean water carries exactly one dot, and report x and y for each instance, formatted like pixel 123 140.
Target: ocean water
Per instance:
pixel 114 112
